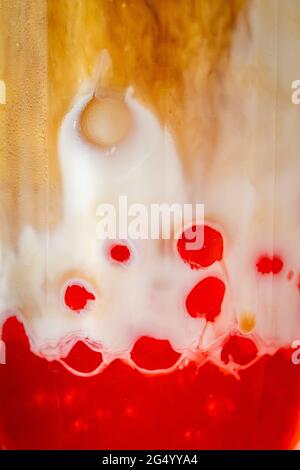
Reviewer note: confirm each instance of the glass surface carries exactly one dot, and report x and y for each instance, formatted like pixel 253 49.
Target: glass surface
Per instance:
pixel 117 331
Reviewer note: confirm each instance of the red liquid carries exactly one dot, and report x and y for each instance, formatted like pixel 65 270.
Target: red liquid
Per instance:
pixel 44 406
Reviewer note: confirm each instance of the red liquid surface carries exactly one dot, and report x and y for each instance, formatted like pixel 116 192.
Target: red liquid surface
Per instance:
pixel 44 406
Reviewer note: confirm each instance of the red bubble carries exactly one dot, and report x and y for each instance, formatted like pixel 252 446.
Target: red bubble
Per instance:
pixel 205 299
pixel 76 297
pixel 82 358
pixel 241 349
pixel 211 251
pixel 267 265
pixel 120 253
pixel 277 264
pixel 152 354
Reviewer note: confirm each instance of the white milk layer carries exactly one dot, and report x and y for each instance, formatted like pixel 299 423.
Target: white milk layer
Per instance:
pixel 251 192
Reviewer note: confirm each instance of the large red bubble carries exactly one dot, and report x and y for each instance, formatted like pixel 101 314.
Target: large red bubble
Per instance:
pixel 209 253
pixel 240 349
pixel 151 353
pixel 205 299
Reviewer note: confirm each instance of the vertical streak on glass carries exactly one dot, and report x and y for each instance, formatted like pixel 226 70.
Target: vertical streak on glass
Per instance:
pixel 23 151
